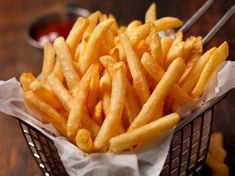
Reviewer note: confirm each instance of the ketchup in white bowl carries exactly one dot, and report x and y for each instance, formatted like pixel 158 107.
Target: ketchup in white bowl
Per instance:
pixel 48 28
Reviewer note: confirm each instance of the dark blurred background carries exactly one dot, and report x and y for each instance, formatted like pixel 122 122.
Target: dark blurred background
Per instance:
pixel 17 56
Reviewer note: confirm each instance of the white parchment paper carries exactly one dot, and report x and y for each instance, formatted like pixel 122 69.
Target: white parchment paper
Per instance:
pixel 149 158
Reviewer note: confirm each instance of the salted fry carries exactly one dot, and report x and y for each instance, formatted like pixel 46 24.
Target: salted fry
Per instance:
pixel 82 49
pixel 137 136
pixel 89 124
pixel 83 140
pixel 159 94
pixel 132 26
pixel 97 113
pixel 167 23
pixel 26 79
pixel 48 61
pixel 90 54
pixel 114 116
pixel 58 71
pixel 188 48
pixel 151 13
pixel 175 51
pixel 76 33
pixel 220 54
pixel 93 91
pixel 108 62
pixel 140 33
pixel 166 45
pixel 139 81
pixel 93 21
pixel 47 112
pixel 80 95
pixel 155 46
pixel 45 94
pixel 58 88
pixel 191 79
pixel 66 62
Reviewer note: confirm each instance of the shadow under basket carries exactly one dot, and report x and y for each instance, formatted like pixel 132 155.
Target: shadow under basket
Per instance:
pixel 186 155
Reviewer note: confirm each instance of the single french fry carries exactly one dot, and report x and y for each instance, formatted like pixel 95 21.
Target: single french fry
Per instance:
pixel 151 13
pixel 114 27
pixel 159 94
pixel 191 79
pixel 155 70
pixel 80 95
pixel 175 51
pixel 108 63
pixel 93 91
pixel 47 112
pixel 115 53
pixel 137 136
pixel 132 27
pixel 105 90
pixel 48 61
pixel 89 124
pixel 189 66
pixel 140 33
pixel 90 54
pixel 167 23
pixel 166 43
pixel 83 140
pixel 26 79
pixel 220 54
pixel 58 88
pixel 218 153
pixel 218 169
pixel 108 40
pixel 77 52
pixel 139 80
pixel 188 48
pixel 93 21
pixel 155 46
pixel 82 50
pixel 115 112
pixel 66 62
pixel 97 113
pixel 142 47
pixel 58 71
pixel 45 94
pixel 76 33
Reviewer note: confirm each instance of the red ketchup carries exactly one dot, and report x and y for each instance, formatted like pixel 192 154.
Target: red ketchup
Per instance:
pixel 52 30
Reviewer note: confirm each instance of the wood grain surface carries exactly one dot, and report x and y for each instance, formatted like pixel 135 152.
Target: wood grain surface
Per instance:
pixel 17 56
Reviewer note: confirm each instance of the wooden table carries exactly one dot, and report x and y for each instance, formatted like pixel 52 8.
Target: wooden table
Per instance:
pixel 17 56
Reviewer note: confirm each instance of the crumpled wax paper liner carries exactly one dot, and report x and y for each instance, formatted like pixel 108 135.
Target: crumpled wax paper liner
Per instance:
pixel 149 158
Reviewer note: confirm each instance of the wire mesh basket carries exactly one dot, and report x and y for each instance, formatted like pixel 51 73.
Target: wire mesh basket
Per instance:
pixel 186 155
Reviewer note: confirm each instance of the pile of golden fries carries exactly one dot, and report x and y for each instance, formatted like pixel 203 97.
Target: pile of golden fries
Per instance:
pixel 111 88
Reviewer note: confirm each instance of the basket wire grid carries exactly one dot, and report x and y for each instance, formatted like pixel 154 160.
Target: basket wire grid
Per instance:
pixel 186 155
pixel 189 145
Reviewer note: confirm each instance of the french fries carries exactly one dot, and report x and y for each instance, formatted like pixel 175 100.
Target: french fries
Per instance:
pixel 114 115
pixel 159 94
pixel 216 155
pixel 137 72
pixel 146 132
pixel 112 88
